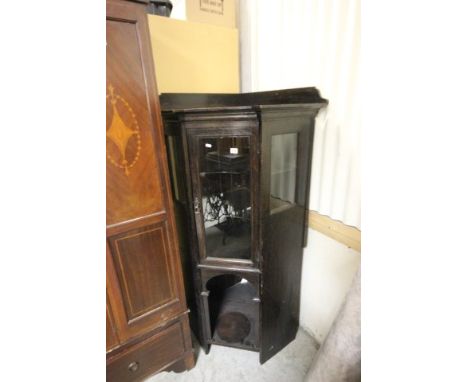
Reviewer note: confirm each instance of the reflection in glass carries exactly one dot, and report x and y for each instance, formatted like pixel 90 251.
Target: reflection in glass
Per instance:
pixel 225 183
pixel 176 160
pixel 283 171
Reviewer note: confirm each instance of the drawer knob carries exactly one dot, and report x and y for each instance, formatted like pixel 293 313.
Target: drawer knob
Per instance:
pixel 134 366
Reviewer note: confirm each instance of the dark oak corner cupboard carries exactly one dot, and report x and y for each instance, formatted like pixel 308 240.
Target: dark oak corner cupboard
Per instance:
pixel 240 167
pixel 146 316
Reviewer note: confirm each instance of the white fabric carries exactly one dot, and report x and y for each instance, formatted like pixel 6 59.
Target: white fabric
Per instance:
pixel 298 43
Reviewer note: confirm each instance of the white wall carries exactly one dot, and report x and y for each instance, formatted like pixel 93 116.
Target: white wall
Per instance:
pixel 297 43
pixel 178 10
pixel 327 272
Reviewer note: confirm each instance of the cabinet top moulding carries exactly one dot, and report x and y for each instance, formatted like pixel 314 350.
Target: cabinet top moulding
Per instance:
pixel 287 98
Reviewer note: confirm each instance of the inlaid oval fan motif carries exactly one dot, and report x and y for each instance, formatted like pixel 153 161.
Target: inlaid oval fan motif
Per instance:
pixel 123 133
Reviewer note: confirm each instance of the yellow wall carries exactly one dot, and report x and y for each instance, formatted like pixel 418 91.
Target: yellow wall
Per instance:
pixel 193 57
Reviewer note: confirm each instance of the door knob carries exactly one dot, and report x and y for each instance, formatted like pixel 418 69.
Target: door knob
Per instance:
pixel 134 366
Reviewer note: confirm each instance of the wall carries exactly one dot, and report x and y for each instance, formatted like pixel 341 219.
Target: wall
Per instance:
pixel 178 10
pixel 327 272
pixel 299 43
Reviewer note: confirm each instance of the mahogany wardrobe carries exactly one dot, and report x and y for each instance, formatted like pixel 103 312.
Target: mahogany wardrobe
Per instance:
pixel 147 317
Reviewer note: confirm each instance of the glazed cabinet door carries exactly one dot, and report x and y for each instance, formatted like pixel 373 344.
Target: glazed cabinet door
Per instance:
pixel 143 269
pixel 224 170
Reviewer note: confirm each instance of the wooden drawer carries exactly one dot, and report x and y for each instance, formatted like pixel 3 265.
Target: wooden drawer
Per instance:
pixel 148 357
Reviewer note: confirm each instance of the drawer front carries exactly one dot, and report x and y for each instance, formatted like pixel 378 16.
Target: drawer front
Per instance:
pixel 148 357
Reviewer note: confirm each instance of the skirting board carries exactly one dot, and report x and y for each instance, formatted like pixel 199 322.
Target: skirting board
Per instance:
pixel 345 234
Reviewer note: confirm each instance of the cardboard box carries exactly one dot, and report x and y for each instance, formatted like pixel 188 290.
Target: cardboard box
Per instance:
pixel 216 12
pixel 193 57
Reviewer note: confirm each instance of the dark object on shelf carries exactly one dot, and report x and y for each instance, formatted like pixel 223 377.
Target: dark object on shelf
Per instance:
pixel 147 324
pixel 227 162
pixel 240 166
pixel 233 327
pixel 160 7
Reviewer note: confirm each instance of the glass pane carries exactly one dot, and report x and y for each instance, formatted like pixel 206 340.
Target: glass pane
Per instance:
pixel 225 183
pixel 283 171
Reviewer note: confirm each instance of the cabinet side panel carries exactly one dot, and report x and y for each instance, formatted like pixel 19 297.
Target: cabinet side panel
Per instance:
pixel 285 162
pixel 281 281
pixel 178 165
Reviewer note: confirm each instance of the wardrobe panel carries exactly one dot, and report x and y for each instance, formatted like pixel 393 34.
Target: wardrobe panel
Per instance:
pixel 134 185
pixel 142 263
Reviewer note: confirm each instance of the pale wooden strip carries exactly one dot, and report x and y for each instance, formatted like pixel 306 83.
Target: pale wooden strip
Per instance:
pixel 348 235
